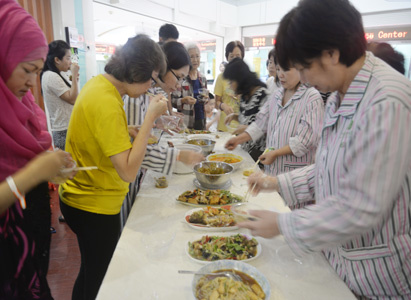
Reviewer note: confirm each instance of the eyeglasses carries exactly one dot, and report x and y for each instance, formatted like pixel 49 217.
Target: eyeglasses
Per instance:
pixel 179 79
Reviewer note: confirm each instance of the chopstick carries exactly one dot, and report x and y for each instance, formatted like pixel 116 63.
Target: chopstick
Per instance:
pixel 152 95
pixel 248 193
pixel 265 151
pixel 81 169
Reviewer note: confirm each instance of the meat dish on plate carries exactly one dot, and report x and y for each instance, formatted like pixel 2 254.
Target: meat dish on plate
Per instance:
pixel 208 197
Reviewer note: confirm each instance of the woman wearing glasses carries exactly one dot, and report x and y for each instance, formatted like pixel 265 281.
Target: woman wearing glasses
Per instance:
pixel 178 64
pixel 185 99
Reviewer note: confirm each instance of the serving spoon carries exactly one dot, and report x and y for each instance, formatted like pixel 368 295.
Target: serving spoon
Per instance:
pixel 227 274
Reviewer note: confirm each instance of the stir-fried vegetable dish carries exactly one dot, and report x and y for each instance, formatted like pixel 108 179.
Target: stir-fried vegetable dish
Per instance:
pixel 210 248
pixel 209 197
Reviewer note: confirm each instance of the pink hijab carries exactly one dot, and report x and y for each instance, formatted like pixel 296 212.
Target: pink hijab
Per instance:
pixel 23 132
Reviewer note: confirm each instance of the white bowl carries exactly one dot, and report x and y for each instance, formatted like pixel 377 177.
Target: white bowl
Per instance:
pixel 234 265
pixel 227 155
pixel 181 168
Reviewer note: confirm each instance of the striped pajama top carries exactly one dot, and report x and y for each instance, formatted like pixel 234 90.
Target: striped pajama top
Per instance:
pixel 362 185
pixel 157 158
pixel 297 124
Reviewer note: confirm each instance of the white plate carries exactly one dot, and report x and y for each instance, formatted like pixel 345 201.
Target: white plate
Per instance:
pixel 259 249
pixel 235 265
pixel 205 227
pixel 200 136
pixel 205 205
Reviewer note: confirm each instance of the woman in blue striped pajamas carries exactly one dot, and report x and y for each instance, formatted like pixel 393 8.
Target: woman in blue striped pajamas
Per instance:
pixel 361 179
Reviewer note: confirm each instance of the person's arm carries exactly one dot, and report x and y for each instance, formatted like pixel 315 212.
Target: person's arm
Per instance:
pixel 309 127
pixel 214 120
pixel 180 97
pixel 269 157
pixel 237 140
pixel 370 179
pixel 41 168
pixel 294 187
pixel 162 159
pixel 127 163
pixel 71 95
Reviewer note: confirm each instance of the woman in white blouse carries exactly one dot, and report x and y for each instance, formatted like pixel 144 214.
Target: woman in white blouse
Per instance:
pixel 59 95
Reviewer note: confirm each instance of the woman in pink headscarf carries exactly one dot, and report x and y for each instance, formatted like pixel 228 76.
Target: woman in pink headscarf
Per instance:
pixel 24 234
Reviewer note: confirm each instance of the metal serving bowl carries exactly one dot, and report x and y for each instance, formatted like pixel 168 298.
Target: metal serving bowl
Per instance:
pixel 207 145
pixel 213 181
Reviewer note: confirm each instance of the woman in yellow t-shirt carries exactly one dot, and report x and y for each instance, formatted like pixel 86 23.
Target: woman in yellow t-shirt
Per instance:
pixel 98 136
pixel 226 100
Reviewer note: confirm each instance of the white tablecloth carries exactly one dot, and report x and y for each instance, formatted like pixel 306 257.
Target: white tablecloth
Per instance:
pixel 144 268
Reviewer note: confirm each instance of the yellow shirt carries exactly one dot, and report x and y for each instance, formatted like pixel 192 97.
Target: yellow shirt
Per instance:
pixel 97 130
pixel 222 89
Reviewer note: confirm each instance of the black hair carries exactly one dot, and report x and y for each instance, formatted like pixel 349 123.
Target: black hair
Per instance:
pixel 314 26
pixel 237 70
pixel 230 48
pixel 271 53
pixel 136 60
pixel 176 56
pixel 168 31
pixel 387 53
pixel 57 49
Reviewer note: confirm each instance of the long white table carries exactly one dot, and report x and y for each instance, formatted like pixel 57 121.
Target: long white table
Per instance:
pixel 140 270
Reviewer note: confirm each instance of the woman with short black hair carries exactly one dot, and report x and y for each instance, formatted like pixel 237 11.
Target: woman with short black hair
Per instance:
pixel 98 136
pixel 361 179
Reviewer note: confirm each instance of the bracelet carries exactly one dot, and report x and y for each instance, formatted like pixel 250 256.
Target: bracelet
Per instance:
pixel 16 192
pixel 221 103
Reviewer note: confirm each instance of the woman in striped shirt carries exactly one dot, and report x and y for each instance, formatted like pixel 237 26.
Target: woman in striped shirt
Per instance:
pixel 361 180
pixel 292 120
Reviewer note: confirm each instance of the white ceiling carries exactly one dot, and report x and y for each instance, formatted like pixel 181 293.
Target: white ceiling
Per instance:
pixel 115 25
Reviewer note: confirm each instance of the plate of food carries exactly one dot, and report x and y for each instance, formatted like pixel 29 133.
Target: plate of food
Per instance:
pixel 252 284
pixel 210 248
pixel 194 131
pixel 229 158
pixel 211 218
pixel 200 136
pixel 200 198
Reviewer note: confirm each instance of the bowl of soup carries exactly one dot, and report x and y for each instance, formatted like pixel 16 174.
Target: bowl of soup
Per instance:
pixel 229 158
pixel 249 280
pixel 213 175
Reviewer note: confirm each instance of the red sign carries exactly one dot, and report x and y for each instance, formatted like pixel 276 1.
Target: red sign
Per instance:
pixel 103 48
pixel 259 41
pixel 388 33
